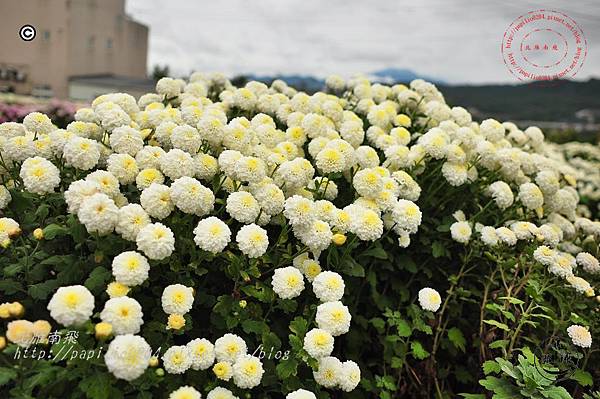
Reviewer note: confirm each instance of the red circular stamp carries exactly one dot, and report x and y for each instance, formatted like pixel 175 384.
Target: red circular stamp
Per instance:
pixel 544 46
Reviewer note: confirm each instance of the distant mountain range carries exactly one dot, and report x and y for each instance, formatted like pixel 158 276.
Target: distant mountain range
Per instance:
pixel 312 84
pixel 530 102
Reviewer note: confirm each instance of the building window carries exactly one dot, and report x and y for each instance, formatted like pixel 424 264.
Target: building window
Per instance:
pixel 91 41
pixel 46 35
pixel 109 43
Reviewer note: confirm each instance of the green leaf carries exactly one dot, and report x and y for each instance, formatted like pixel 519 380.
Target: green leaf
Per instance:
pixel 378 253
pixel 583 378
pixel 498 344
pixel 457 338
pixel 490 366
pixel 404 329
pixel 287 368
pixel 254 326
pixel 99 386
pixel 496 323
pixel 299 326
pixel 418 351
pixel 437 249
pixel 472 395
pixel 41 291
pixel 7 375
pixel 53 230
pixel 98 278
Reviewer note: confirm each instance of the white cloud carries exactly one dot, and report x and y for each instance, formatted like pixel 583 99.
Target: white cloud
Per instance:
pixel 457 41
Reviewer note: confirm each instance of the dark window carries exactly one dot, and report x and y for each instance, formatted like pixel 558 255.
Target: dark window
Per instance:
pixel 109 43
pixel 46 35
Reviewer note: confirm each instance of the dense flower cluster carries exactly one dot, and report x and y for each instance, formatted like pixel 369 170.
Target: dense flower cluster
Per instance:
pixel 202 171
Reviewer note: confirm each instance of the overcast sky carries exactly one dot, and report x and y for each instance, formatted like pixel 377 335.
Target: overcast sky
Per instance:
pixel 453 40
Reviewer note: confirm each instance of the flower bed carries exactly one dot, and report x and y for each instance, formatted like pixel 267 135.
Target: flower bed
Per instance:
pixel 222 242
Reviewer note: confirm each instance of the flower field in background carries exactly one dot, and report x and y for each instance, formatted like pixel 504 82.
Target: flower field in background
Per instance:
pixel 13 108
pixel 366 241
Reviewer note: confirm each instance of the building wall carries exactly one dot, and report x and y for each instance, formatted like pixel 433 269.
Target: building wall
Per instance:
pixel 74 37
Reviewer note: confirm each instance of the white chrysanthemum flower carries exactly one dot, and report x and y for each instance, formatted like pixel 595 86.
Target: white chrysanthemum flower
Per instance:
pixel 72 305
pixel 8 227
pixel 202 352
pixel 492 130
pixel 177 163
pixel 147 177
pixel 131 219
pixel 229 347
pixel 316 235
pixel 185 392
pixel 545 255
pixel 206 166
pixel 502 194
pixel 531 196
pixel 123 167
pixel 299 210
pixel 407 216
pixel 149 157
pixel 156 241
pixel 177 299
pixel 127 356
pixel 455 173
pixel 98 213
pixel 124 314
pixel 212 234
pixel 247 371
pixel 168 87
pixel 580 336
pixel 489 236
pixel 581 285
pixel 5 197
pixel 77 192
pixel 242 206
pixel 429 299
pixel 220 393
pixel 547 181
pixel 461 232
pixel 328 286
pixel 318 343
pixel 328 372
pixel 189 195
pixel 563 265
pixel 270 198
pixel 177 359
pixel 301 394
pixel 36 122
pixel 333 317
pixel 156 200
pixel 364 222
pixel 350 376
pixel 81 153
pixel 252 240
pixel 506 236
pixel 330 160
pixel 39 175
pixel 588 262
pixel 12 129
pixel 126 140
pixel 106 182
pixel 250 169
pixel 130 268
pixel 186 138
pixel 367 182
pixel 287 282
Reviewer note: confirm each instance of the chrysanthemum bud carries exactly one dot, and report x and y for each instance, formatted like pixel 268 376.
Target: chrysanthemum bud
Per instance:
pixel 175 322
pixel 16 309
pixel 153 362
pixel 243 304
pixel 339 239
pixel 103 330
pixel 160 372
pixel 38 234
pixel 2 343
